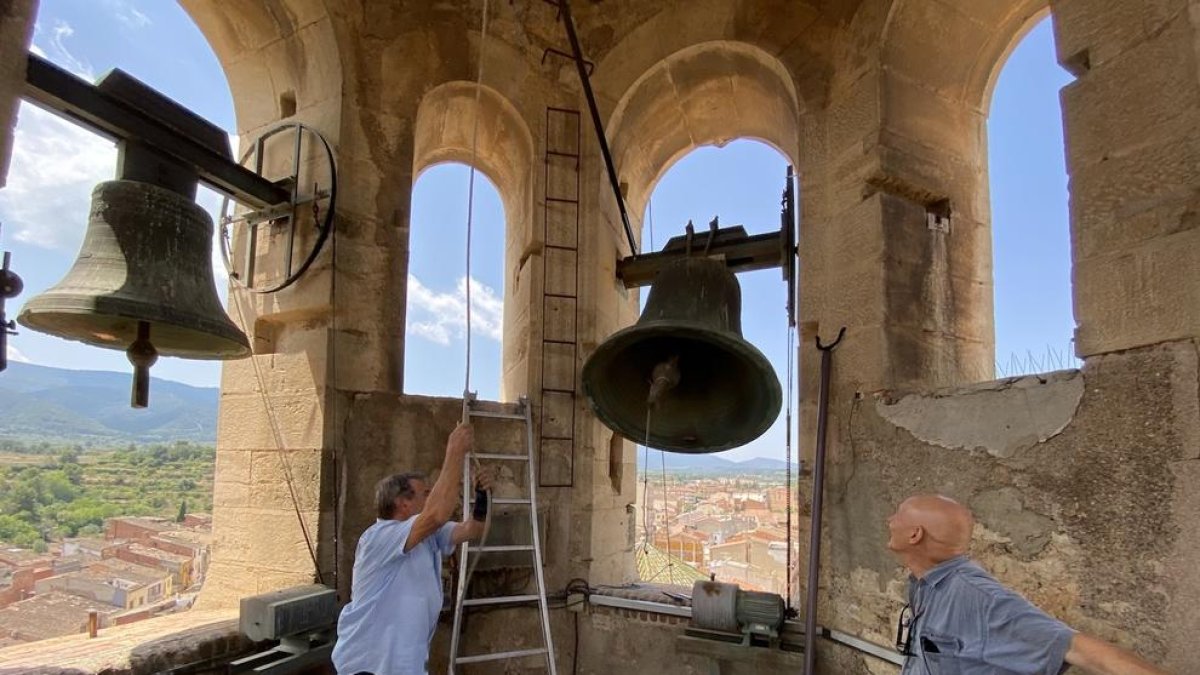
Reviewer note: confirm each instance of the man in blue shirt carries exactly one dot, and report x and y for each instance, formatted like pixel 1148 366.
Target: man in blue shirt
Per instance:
pixel 396 593
pixel 959 620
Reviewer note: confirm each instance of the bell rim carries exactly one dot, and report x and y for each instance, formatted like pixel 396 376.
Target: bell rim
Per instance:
pixel 741 347
pixel 236 344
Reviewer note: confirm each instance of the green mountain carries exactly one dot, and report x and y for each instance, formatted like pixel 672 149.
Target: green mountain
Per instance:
pixel 91 407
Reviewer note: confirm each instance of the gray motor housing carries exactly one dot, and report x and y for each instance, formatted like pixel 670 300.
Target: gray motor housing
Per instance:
pixel 727 608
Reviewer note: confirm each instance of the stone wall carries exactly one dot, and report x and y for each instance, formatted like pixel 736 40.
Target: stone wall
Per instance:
pixel 1082 483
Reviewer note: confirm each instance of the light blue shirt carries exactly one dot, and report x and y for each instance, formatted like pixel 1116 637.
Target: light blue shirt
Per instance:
pixel 395 599
pixel 967 623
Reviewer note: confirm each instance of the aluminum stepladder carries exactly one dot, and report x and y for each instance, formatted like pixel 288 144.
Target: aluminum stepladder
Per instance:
pixel 520 411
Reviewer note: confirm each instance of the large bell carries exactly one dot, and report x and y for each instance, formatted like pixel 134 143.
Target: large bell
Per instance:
pixel 685 362
pixel 146 263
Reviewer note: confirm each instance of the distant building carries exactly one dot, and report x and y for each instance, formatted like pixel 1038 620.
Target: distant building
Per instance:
pixel 685 545
pixel 48 615
pixel 198 521
pixel 754 558
pixel 115 583
pixel 178 566
pixel 194 544
pixel 16 584
pixel 23 557
pixel 91 547
pixel 138 529
pixel 721 529
pixel 778 498
pixel 749 577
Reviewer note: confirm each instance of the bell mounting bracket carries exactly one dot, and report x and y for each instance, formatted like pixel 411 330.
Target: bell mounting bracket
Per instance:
pixel 741 252
pixel 309 207
pixel 162 142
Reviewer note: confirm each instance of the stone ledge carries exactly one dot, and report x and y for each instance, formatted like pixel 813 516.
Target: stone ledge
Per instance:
pixel 150 646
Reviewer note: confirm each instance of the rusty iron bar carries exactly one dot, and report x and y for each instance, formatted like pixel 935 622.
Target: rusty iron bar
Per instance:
pixel 814 541
pixel 565 9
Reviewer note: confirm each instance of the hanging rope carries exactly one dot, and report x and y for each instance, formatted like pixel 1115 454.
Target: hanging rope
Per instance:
pixel 468 489
pixel 278 436
pixel 666 500
pixel 646 446
pixel 790 308
pixel 471 191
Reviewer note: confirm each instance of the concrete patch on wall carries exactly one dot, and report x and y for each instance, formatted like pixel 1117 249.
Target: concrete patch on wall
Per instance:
pixel 1001 417
pixel 1002 510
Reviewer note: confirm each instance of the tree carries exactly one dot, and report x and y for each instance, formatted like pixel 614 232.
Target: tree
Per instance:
pixel 182 511
pixel 70 455
pixel 17 532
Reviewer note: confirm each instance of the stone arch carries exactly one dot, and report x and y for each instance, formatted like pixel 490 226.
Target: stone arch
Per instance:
pixel 443 132
pixel 706 94
pixel 938 65
pixel 279 57
pixel 978 37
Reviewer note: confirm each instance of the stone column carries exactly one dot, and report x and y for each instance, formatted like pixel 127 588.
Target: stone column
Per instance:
pixel 1133 154
pixel 16 30
pixel 277 442
pixel 1132 121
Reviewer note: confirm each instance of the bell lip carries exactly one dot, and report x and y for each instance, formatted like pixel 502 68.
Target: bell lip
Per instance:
pixel 236 343
pixel 743 348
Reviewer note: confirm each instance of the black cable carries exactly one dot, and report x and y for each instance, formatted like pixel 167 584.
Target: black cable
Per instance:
pixel 577 51
pixel 575 651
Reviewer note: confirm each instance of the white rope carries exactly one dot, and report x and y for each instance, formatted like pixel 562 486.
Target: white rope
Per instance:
pixel 471 194
pixel 236 295
pixel 467 488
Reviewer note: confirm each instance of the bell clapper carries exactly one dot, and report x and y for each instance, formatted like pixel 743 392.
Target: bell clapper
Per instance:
pixel 142 355
pixel 664 378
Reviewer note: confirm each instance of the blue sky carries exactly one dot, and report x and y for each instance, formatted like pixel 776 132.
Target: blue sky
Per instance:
pixel 55 165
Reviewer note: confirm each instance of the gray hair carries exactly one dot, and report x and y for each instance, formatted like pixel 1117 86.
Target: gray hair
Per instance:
pixel 388 490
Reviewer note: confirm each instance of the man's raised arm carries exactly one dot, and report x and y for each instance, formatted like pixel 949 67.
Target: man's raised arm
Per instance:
pixel 443 498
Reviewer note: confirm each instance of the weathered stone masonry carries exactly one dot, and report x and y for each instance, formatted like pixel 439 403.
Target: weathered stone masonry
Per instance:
pixel 1087 485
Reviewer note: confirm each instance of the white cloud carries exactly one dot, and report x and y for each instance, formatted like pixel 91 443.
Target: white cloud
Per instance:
pixel 441 317
pixel 55 165
pixel 127 14
pixel 55 49
pixel 15 355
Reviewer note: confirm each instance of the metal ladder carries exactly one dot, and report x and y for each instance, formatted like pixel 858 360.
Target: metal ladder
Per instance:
pixel 521 411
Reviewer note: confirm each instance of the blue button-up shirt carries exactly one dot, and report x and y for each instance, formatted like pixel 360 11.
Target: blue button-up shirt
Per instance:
pixel 966 623
pixel 395 601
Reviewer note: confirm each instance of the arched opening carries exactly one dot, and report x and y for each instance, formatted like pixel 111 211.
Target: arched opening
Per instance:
pixel 1031 243
pixel 97 479
pixel 724 513
pixel 435 313
pixel 458 122
pixel 708 95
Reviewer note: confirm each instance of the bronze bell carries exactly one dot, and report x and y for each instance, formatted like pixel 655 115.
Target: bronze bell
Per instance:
pixel 685 362
pixel 144 270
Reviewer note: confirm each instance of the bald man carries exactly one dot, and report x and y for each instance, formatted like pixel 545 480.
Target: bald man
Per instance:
pixel 961 620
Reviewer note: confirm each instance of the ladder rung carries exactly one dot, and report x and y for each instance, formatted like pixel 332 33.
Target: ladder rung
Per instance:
pixel 501 655
pixel 499 600
pixel 500 455
pixel 498 415
pixel 508 500
pixel 500 549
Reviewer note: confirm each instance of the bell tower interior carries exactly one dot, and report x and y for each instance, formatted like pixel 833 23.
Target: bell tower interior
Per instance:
pixel 1084 481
